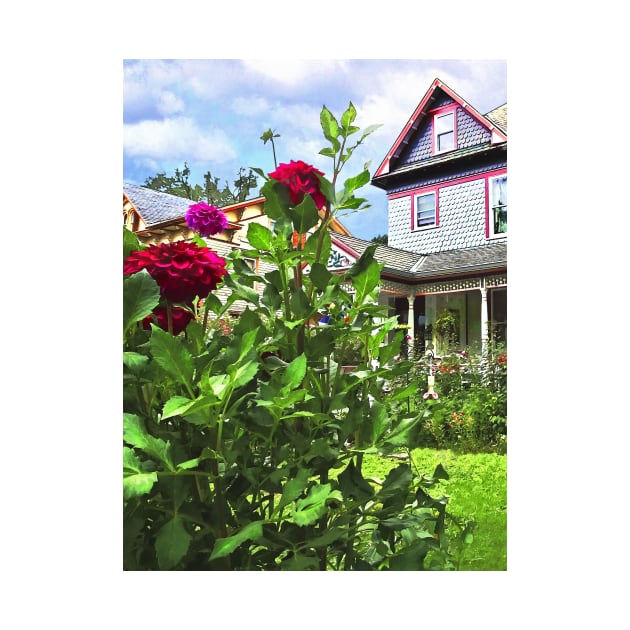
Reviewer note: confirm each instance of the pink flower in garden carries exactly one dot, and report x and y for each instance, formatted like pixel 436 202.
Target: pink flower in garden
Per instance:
pixel 205 219
pixel 300 179
pixel 430 395
pixel 181 318
pixel 182 270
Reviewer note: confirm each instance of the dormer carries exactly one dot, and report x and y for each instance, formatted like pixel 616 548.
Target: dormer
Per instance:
pixel 443 126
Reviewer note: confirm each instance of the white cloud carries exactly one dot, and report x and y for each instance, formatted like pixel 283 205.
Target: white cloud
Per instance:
pixel 246 106
pixel 177 139
pixel 293 71
pixel 169 104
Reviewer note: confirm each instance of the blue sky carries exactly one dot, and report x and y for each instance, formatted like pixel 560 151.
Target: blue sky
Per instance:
pixel 211 113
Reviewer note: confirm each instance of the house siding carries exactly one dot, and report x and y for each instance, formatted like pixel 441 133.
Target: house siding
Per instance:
pixel 462 218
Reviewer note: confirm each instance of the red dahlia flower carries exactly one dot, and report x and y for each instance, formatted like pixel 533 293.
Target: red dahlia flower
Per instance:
pixel 205 219
pixel 181 318
pixel 182 270
pixel 300 179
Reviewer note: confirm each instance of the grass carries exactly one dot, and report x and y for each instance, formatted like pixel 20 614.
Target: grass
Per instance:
pixel 477 487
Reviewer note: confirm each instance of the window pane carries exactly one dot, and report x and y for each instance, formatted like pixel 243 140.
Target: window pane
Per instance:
pixel 444 123
pixel 445 141
pixel 499 191
pixel 499 205
pixel 425 209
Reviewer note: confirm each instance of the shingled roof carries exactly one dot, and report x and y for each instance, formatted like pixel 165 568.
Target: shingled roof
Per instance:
pixel 155 207
pixel 408 265
pixel 499 116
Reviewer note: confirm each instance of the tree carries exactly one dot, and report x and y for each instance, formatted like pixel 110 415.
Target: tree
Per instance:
pixel 381 239
pixel 210 192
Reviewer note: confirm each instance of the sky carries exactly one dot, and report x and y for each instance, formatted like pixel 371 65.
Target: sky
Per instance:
pixel 211 113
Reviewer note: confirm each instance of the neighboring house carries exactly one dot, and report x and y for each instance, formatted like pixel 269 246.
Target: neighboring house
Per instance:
pixel 446 182
pixel 156 217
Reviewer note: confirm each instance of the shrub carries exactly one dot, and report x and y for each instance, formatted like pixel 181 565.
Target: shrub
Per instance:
pixel 243 448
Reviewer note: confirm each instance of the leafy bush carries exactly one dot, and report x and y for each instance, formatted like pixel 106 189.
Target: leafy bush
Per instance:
pixel 243 448
pixel 470 413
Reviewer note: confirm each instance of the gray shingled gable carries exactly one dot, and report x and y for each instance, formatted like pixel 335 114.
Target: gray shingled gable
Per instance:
pixel 156 207
pixel 450 263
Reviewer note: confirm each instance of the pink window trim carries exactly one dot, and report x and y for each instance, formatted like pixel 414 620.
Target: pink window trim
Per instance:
pixel 489 176
pixel 452 107
pixel 450 182
pixel 424 191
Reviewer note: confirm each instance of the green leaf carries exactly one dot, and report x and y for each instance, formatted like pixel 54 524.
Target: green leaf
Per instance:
pixel 310 247
pixel 353 183
pixel 135 361
pixel 347 118
pixel 225 546
pixel 312 507
pixel 293 488
pixel 240 290
pixel 172 543
pixel 353 485
pixel 402 433
pixel 300 304
pixel 141 295
pixel 440 472
pixel 136 482
pixel 242 374
pixel 328 152
pixel 130 242
pixel 276 199
pixel 330 127
pixel 397 481
pixel 326 187
pixel 259 236
pixel 367 280
pixel 135 433
pixel 171 355
pixel 320 276
pixel 182 406
pixel 294 373
pixel 304 216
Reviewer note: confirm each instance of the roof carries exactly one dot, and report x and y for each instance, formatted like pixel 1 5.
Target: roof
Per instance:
pixel 155 207
pixel 407 265
pixel 499 116
pixel 421 111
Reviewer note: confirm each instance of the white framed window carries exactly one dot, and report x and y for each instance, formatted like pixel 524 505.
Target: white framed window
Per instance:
pixel 444 131
pixel 497 206
pixel 425 210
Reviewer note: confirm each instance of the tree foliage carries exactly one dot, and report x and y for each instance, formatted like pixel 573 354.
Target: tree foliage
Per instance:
pixel 211 191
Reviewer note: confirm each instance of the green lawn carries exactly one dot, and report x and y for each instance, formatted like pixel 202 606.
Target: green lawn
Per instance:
pixel 477 487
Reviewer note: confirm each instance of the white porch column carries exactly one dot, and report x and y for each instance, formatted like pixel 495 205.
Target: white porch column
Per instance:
pixel 411 322
pixel 484 320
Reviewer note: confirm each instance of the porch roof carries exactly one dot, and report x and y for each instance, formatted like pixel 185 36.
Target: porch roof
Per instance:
pixel 409 265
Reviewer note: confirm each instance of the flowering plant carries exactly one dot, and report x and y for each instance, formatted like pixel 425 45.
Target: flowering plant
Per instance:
pixel 243 448
pixel 182 270
pixel 300 179
pixel 206 220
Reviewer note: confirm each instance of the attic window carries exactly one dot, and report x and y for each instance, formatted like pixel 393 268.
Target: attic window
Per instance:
pixel 444 130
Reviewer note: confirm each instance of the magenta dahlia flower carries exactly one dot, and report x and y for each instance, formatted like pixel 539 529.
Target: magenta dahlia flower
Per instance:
pixel 182 270
pixel 205 219
pixel 300 179
pixel 181 318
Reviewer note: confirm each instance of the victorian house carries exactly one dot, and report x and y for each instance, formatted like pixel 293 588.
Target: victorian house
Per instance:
pixel 446 182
